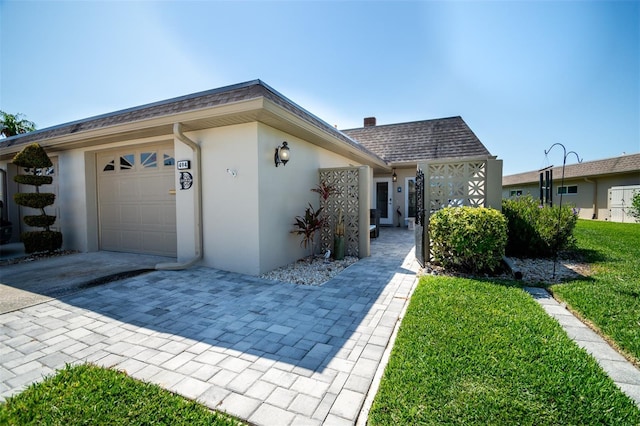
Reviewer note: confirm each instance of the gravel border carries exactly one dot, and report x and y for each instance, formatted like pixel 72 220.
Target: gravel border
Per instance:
pixel 315 272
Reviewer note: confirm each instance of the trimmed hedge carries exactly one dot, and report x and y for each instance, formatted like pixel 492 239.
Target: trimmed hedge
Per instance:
pixel 34 200
pixel 37 241
pixel 32 156
pixel 34 180
pixel 535 230
pixel 40 221
pixel 468 238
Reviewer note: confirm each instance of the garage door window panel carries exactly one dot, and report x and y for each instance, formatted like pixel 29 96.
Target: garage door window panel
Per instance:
pixel 148 160
pixel 168 160
pixel 127 161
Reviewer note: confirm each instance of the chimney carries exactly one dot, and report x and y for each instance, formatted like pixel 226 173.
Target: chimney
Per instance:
pixel 369 121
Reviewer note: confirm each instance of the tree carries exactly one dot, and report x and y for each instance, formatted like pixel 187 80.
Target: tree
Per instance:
pixel 13 124
pixel 34 158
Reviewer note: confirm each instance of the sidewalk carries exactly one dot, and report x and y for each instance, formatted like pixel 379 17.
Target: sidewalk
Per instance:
pixel 621 371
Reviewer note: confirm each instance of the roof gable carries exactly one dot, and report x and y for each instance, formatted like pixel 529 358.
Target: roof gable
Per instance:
pixel 420 140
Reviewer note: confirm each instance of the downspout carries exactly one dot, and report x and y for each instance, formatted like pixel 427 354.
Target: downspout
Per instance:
pixel 197 216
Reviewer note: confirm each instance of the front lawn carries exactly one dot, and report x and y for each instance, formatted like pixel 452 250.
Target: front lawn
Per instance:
pixel 611 298
pixel 477 352
pixel 90 395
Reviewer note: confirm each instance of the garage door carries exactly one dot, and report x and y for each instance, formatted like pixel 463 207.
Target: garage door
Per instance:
pixel 136 205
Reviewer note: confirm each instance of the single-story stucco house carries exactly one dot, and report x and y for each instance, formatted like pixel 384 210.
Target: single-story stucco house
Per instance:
pixel 203 178
pixel 590 186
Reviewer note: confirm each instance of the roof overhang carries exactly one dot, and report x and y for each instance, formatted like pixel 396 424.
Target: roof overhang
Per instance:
pixel 259 109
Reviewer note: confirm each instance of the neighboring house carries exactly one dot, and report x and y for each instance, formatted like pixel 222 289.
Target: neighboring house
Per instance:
pixel 405 145
pixel 195 178
pixel 589 186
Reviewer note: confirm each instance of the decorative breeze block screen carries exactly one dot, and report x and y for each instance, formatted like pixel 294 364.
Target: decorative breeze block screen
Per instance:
pixel 456 184
pixel 346 182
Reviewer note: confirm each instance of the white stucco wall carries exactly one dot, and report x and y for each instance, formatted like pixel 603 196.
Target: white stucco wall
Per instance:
pixel 229 204
pixel 72 200
pixel 247 219
pixel 285 192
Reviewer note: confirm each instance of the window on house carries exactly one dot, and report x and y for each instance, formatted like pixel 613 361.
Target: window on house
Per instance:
pixel 515 192
pixel 571 189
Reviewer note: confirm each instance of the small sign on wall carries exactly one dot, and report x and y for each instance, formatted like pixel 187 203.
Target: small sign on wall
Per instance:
pixel 399 189
pixel 184 164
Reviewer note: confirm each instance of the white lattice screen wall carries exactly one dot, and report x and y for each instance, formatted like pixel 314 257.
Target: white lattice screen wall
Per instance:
pixel 449 184
pixel 346 181
pixel 455 184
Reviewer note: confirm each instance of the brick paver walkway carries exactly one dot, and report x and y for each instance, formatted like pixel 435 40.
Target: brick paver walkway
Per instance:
pixel 268 352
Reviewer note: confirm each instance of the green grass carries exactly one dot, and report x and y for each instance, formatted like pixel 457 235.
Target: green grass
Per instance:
pixel 611 298
pixel 90 395
pixel 476 352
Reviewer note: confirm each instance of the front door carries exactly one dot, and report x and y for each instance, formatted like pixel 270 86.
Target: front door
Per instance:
pixel 383 199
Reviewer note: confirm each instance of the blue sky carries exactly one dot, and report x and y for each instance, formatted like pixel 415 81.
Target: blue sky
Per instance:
pixel 523 75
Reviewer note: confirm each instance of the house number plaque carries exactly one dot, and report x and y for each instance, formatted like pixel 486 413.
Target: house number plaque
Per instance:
pixel 186 180
pixel 184 165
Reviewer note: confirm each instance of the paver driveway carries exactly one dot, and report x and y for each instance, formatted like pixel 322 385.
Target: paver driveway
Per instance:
pixel 271 353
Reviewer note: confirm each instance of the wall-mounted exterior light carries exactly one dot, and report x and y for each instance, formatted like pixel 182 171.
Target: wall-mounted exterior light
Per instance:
pixel 282 154
pixel 394 176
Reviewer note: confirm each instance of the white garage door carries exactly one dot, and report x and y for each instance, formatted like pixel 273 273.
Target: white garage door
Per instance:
pixel 137 210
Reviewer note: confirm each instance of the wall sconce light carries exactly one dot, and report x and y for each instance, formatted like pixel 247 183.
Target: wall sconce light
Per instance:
pixel 394 176
pixel 282 154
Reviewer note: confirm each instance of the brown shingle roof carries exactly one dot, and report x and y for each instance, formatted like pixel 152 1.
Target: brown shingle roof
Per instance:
pixel 608 166
pixel 225 95
pixel 420 140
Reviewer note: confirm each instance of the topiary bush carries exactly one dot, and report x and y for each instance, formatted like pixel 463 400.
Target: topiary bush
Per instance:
pixel 468 238
pixel 535 230
pixel 34 158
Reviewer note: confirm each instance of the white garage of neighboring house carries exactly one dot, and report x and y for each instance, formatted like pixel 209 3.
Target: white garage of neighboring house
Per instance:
pixel 195 178
pixel 595 188
pixel 620 203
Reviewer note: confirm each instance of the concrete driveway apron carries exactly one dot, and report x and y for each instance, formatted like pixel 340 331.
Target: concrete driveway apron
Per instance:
pixel 268 352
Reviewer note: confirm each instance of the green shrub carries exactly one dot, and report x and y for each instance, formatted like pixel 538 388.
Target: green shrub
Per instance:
pixel 37 241
pixel 34 200
pixel 40 221
pixel 535 230
pixel 34 180
pixel 468 238
pixel 34 158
